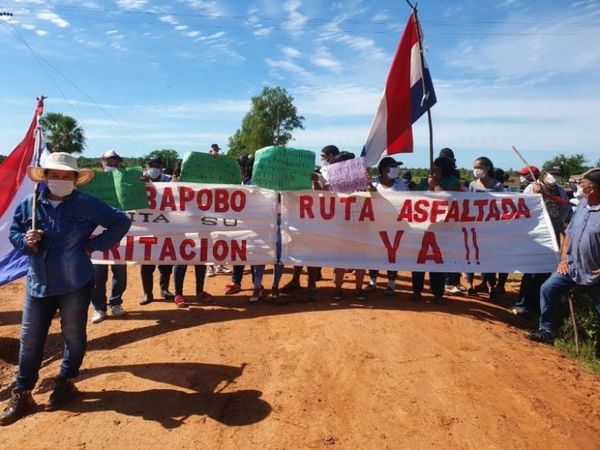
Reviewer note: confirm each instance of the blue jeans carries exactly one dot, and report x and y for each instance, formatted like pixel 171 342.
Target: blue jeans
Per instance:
pixel 37 316
pixel 119 284
pixel 552 291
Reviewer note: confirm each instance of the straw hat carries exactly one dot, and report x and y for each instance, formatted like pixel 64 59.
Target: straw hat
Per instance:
pixel 60 161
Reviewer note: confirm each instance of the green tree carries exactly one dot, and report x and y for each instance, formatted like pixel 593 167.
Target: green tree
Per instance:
pixel 63 133
pixel 168 155
pixel 2 158
pixel 270 121
pixel 572 165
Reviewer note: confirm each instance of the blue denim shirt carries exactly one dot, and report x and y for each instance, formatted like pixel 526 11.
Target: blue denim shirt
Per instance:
pixel 584 250
pixel 61 265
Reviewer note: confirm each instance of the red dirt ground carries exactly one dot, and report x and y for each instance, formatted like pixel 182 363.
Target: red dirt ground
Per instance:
pixel 383 373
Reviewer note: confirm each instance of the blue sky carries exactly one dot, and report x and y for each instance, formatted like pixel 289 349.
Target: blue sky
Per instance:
pixel 179 74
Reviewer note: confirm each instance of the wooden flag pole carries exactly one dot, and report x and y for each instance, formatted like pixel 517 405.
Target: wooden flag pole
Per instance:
pixel 36 162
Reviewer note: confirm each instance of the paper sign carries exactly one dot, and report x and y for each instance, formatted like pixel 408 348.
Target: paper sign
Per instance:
pixel 203 168
pixel 123 189
pixel 348 176
pixel 283 169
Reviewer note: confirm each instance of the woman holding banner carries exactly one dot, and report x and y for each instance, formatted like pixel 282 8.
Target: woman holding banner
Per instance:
pixel 54 230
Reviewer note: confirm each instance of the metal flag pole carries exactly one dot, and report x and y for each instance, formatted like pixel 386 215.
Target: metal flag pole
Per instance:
pixel 425 97
pixel 36 158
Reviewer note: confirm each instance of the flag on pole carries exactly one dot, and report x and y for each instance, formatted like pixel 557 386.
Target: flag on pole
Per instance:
pixel 407 95
pixel 14 187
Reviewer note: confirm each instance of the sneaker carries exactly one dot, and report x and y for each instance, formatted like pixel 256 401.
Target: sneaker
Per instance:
pixel 471 291
pixel 210 271
pixel 360 295
pixel 519 310
pixel 482 287
pixel 308 296
pixel 540 336
pixel 338 294
pixel 280 300
pixel 416 297
pixel 64 392
pixel 204 297
pixel 20 404
pixel 439 299
pixel 389 291
pixel 167 295
pixel 99 316
pixel 372 286
pixel 146 299
pixel 232 288
pixel 180 301
pixel 222 269
pixel 256 295
pixel 117 311
pixel 451 289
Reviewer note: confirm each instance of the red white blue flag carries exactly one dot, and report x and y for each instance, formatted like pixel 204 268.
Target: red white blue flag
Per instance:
pixel 408 94
pixel 15 186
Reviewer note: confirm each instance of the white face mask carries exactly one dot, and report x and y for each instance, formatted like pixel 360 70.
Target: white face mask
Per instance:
pixel 578 193
pixel 154 172
pixel 61 188
pixel 523 180
pixel 551 179
pixel 479 173
pixel 393 173
pixel 110 168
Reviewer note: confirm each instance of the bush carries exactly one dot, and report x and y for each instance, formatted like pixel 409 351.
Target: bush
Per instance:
pixel 586 317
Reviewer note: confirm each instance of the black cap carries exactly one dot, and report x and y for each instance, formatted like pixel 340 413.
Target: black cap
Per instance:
pixel 553 167
pixel 593 175
pixel 215 147
pixel 388 160
pixel 154 159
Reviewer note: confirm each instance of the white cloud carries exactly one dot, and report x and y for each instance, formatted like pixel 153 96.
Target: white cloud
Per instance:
pixel 111 32
pixel 181 27
pixel 262 31
pixel 210 8
pixel 192 34
pixel 168 19
pixel 28 26
pixel 323 58
pixel 131 4
pixel 291 52
pixel 41 33
pixel 254 21
pixel 288 66
pixel 296 20
pixel 331 32
pixel 53 18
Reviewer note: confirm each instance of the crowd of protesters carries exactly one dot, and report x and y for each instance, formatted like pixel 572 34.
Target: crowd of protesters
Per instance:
pixel 59 246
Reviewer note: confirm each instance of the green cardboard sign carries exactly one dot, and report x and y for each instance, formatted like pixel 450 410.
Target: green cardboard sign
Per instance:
pixel 199 167
pixel 283 168
pixel 122 189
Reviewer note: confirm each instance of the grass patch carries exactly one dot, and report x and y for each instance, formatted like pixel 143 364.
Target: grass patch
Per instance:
pixel 587 353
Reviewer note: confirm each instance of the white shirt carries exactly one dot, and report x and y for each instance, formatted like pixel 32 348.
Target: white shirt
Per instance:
pixel 398 186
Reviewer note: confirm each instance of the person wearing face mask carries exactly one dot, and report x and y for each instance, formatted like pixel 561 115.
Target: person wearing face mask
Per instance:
pixel 559 209
pixel 110 161
pixel 579 263
pixel 483 171
pixel 525 176
pixel 154 174
pixel 60 275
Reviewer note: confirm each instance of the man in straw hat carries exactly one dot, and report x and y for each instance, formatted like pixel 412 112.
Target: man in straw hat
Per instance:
pixel 56 237
pixel 579 263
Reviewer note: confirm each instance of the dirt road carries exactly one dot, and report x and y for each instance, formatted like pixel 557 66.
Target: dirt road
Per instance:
pixel 383 373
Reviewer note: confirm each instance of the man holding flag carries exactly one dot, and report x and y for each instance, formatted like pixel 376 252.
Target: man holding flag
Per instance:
pixel 53 231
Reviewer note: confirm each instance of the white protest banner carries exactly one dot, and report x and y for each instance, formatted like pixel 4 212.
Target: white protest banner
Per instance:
pixel 191 223
pixel 426 231
pixel 348 176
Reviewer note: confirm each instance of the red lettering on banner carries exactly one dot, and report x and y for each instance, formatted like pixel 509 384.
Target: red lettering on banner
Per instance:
pixel 453 212
pixel 523 210
pixel 238 251
pixel 429 243
pixel 168 200
pixel 204 199
pixel 494 212
pixel 186 194
pixel 420 211
pixel 183 249
pixel 238 200
pixel 168 250
pixel 406 212
pixel 436 209
pixel 203 249
pixel 148 242
pixel 506 214
pixel 306 205
pixel 348 202
pixel 366 211
pixel 151 194
pixel 129 248
pixel 392 250
pixel 480 203
pixel 465 217
pixel 114 250
pixel 324 214
pixel 221 200
pixel 220 250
